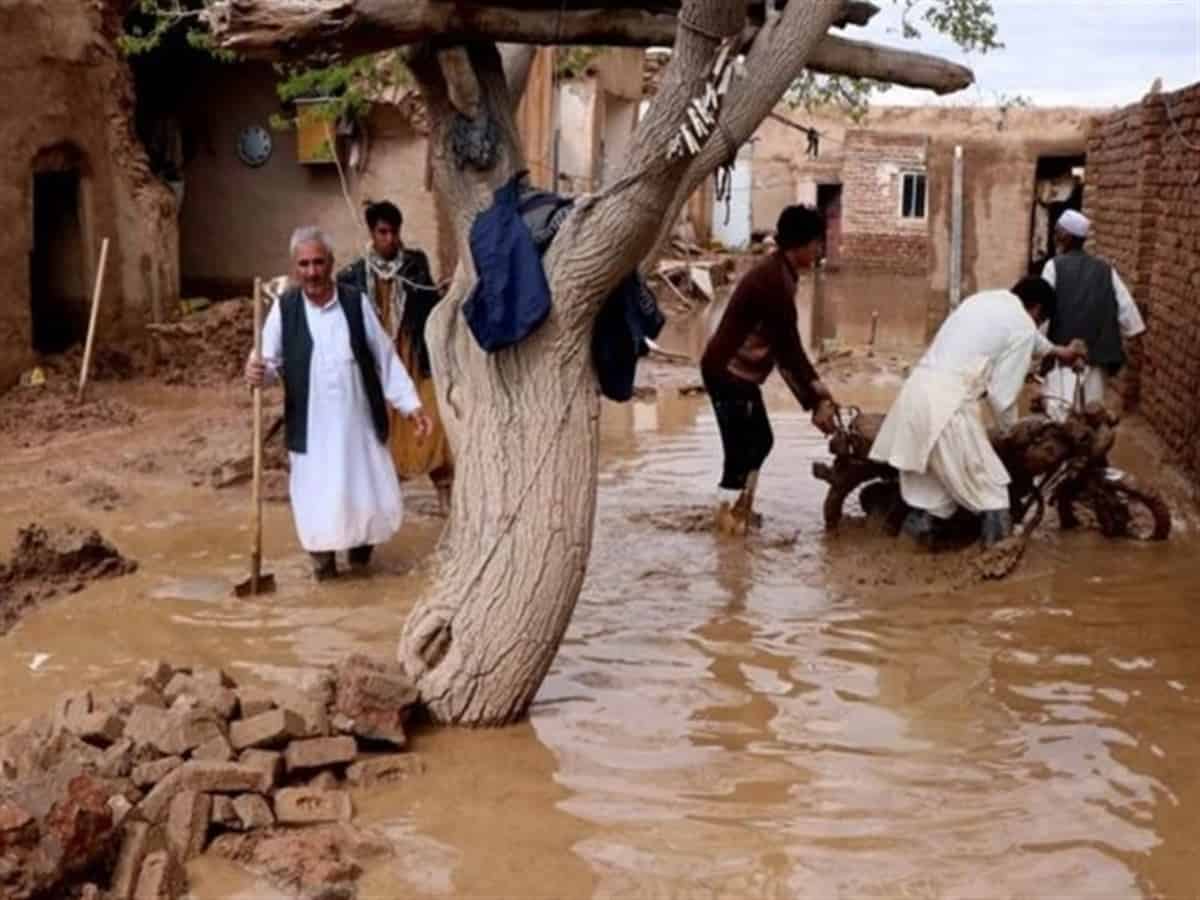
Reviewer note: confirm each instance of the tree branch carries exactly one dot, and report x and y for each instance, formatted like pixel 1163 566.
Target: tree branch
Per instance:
pixel 776 57
pixel 862 59
pixel 273 28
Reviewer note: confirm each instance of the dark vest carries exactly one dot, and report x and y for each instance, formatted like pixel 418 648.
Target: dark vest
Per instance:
pixel 297 363
pixel 1087 308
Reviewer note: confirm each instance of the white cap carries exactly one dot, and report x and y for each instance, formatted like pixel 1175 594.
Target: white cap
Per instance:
pixel 1074 223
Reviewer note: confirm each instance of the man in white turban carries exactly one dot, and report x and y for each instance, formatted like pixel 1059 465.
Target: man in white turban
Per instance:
pixel 1094 306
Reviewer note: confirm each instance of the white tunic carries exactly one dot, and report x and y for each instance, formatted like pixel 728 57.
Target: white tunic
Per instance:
pixel 1062 382
pixel 344 489
pixel 934 433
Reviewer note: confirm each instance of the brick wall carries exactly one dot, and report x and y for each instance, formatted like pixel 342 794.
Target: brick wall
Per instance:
pixel 1143 196
pixel 875 237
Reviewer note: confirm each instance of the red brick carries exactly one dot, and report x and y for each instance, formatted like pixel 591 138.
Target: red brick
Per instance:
pixel 308 806
pixel 316 753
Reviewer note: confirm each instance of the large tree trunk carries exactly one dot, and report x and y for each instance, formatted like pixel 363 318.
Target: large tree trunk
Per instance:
pixel 523 423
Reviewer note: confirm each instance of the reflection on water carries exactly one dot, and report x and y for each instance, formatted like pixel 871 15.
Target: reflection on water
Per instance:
pixel 725 718
pixel 857 309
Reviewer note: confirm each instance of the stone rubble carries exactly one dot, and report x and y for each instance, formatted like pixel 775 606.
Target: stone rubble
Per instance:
pixel 128 792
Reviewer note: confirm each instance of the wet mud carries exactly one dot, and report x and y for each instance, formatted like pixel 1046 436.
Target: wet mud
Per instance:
pixel 206 347
pixel 48 562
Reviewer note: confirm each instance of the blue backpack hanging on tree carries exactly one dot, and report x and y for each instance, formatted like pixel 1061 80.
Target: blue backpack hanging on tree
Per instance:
pixel 511 297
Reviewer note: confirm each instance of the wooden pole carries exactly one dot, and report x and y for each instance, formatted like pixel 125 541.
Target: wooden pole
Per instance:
pixel 956 231
pixel 91 334
pixel 256 550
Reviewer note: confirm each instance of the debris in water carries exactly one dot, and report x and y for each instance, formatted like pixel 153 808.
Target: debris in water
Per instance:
pixel 48 562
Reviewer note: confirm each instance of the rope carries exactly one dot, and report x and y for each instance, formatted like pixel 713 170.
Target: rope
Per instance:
pixel 337 160
pixel 389 270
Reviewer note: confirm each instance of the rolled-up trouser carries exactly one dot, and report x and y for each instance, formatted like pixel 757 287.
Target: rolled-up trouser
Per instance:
pixel 746 435
pixel 963 470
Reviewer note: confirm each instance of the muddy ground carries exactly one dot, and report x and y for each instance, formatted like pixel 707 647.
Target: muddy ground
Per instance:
pixel 796 714
pixel 174 416
pixel 47 563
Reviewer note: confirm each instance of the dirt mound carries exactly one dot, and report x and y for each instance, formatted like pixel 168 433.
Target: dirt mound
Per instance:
pixel 33 416
pixel 46 563
pixel 208 346
pixel 108 364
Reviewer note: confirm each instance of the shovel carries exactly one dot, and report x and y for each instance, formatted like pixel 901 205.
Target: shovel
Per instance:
pixel 259 582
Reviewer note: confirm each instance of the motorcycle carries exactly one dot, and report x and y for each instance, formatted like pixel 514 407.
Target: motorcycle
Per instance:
pixel 1061 464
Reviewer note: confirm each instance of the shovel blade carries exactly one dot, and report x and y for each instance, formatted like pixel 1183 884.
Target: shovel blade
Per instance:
pixel 266 585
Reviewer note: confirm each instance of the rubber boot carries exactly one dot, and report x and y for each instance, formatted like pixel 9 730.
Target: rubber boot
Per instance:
pixel 919 526
pixel 359 557
pixel 997 525
pixel 324 565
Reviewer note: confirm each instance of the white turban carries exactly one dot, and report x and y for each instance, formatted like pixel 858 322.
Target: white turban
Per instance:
pixel 1074 223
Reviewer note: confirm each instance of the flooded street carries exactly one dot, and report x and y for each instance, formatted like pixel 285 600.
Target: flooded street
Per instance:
pixel 765 718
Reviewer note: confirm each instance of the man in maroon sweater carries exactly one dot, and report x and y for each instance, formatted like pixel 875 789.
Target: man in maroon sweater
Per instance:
pixel 758 331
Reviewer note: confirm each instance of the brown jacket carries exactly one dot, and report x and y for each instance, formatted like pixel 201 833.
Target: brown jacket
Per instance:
pixel 759 330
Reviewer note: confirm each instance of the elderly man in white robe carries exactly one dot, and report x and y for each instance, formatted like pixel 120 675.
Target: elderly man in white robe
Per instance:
pixel 934 433
pixel 340 372
pixel 1094 306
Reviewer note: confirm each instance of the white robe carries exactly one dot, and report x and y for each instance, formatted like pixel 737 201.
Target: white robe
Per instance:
pixel 344 489
pixel 1062 382
pixel 934 433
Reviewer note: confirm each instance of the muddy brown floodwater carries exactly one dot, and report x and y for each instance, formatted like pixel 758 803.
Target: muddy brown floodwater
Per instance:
pixel 767 718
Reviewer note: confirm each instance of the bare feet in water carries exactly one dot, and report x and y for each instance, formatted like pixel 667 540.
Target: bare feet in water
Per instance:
pixel 734 521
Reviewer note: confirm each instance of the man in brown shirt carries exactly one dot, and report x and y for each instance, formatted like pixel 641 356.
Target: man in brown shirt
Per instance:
pixel 758 331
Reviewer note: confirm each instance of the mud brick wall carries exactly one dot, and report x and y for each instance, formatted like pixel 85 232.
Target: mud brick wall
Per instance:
pixel 875 237
pixel 1144 200
pixel 69 110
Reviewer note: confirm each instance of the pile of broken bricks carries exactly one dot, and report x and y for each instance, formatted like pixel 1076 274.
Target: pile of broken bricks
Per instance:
pixel 195 757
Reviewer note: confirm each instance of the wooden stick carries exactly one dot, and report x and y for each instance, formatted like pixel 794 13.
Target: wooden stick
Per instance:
pixel 256 550
pixel 91 335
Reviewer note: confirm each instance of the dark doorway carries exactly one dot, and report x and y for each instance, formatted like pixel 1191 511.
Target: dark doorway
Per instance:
pixel 829 202
pixel 1058 186
pixel 57 289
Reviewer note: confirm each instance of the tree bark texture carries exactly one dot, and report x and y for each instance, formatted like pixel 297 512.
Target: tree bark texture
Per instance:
pixel 521 423
pixel 524 422
pixel 270 28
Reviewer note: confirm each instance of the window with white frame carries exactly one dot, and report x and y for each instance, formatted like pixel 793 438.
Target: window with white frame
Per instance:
pixel 912 195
